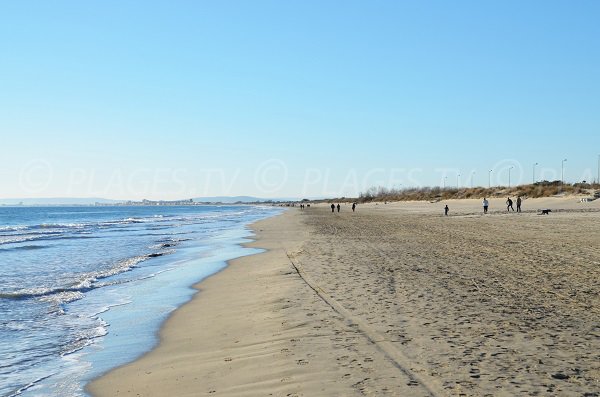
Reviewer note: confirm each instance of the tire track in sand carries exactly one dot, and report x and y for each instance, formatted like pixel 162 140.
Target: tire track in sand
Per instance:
pixel 416 373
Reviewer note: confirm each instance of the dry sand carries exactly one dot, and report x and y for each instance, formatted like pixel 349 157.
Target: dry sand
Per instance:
pixel 392 300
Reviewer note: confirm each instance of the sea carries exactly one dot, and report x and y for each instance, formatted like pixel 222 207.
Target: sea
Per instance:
pixel 85 289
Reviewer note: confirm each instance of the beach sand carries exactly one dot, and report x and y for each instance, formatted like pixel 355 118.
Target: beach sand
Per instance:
pixel 392 300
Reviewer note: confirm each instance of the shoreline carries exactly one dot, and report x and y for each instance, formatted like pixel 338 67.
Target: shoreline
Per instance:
pixel 233 245
pixel 390 300
pixel 126 376
pixel 127 269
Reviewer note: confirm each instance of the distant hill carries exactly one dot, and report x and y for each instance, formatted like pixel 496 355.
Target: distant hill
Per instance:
pixel 57 201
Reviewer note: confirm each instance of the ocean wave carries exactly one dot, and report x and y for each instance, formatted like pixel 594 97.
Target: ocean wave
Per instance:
pixel 162 253
pixel 25 247
pixel 136 220
pixel 32 232
pixel 177 239
pixel 62 227
pixel 19 239
pixel 84 339
pixel 88 281
pixel 24 388
pixel 168 244
pixel 38 292
pixel 106 308
pixel 5 240
pixel 12 228
pixel 77 237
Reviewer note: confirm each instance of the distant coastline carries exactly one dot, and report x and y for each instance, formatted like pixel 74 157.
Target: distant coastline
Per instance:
pixel 68 201
pixel 589 191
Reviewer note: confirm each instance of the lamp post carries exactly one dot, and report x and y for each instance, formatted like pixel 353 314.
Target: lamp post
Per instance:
pixel 533 178
pixel 598 180
pixel 490 179
pixel 473 173
pixel 444 183
pixel 457 176
pixel 562 172
pixel 509 175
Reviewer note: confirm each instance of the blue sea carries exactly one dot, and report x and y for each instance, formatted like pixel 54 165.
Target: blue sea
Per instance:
pixel 85 289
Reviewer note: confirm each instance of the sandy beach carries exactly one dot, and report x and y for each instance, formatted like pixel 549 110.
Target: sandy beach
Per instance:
pixel 394 299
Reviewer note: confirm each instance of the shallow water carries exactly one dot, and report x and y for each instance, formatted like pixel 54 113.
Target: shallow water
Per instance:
pixel 84 289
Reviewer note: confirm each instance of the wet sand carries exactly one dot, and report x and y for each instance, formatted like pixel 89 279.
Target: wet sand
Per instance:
pixel 392 300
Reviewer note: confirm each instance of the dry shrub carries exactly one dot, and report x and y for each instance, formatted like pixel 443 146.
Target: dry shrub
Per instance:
pixel 436 193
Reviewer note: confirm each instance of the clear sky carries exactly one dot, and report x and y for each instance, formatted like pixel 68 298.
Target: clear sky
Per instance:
pixel 174 99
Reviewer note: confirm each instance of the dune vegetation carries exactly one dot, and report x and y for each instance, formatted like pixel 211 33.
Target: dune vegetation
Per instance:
pixel 436 193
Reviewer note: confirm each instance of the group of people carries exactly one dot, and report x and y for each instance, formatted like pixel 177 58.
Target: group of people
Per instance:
pixel 486 205
pixel 509 204
pixel 333 207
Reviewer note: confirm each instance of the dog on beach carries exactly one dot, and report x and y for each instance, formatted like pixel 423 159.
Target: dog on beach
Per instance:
pixel 546 212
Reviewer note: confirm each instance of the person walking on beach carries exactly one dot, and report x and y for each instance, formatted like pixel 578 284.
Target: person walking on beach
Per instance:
pixel 446 209
pixel 509 205
pixel 485 205
pixel 353 206
pixel 338 207
pixel 518 203
pixel 332 207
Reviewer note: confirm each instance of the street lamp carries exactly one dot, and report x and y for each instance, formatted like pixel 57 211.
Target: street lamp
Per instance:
pixel 473 173
pixel 598 180
pixel 444 185
pixel 490 179
pixel 533 178
pixel 509 175
pixel 457 176
pixel 562 172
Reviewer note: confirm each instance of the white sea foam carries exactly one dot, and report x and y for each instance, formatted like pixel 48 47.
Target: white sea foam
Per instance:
pixel 65 294
pixel 63 225
pixel 18 239
pixel 13 228
pixel 62 297
pixel 66 290
pixel 85 338
pixel 28 386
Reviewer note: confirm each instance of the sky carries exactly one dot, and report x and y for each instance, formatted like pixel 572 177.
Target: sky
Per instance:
pixel 178 99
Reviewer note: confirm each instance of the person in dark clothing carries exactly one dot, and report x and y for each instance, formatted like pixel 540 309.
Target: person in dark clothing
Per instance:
pixel 353 206
pixel 518 203
pixel 338 207
pixel 332 207
pixel 446 209
pixel 509 204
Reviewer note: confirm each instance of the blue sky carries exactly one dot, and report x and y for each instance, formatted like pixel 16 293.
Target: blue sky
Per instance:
pixel 124 99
